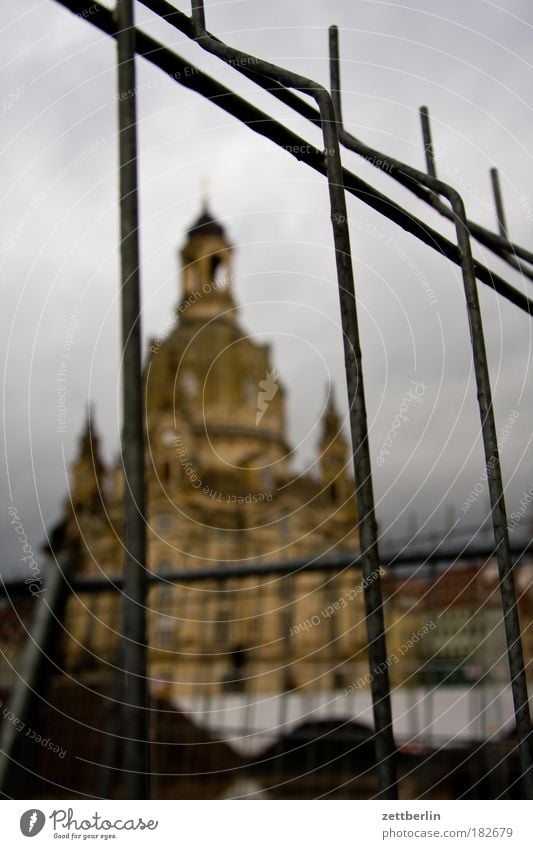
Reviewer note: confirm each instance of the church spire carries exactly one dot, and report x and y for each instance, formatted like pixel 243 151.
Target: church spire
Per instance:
pixel 334 452
pixel 204 193
pixel 88 469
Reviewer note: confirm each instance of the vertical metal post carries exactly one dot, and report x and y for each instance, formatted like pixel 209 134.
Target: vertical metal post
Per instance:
pixel 335 72
pixel 428 142
pixel 134 609
pixel 498 202
pixel 497 500
pixel 494 477
pixel 377 649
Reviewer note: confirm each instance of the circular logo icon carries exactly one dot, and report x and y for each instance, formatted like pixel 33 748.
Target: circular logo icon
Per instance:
pixel 32 822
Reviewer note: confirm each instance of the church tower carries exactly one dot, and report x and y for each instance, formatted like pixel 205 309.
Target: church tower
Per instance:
pixel 220 489
pixel 87 472
pixel 207 271
pixel 208 373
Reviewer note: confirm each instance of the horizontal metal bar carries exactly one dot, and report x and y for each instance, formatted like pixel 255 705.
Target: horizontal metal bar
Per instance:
pixel 335 72
pixel 292 567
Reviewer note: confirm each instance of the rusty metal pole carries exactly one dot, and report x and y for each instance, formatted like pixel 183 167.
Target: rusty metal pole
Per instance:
pixel 134 597
pixel 498 202
pixel 335 71
pixel 489 432
pixel 497 501
pixel 428 142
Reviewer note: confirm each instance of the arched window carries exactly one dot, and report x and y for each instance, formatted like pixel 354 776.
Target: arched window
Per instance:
pixel 218 271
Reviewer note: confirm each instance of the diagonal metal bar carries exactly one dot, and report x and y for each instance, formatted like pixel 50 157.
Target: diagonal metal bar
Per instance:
pixel 377 650
pixel 261 123
pixel 501 247
pixel 134 601
pixel 33 672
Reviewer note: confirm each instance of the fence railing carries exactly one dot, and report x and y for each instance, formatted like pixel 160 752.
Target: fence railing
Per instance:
pixel 259 678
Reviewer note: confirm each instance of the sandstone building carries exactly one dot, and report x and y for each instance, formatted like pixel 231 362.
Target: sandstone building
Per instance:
pixel 221 490
pixel 223 497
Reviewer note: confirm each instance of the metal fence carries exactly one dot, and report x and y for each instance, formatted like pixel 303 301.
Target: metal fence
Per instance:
pixel 259 685
pixel 298 93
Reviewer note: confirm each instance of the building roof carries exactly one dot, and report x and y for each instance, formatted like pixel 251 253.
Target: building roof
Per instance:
pixel 206 224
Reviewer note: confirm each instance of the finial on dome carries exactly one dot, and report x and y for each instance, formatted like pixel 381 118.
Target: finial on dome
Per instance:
pixel 330 416
pixel 89 439
pixel 206 224
pixel 204 193
pixel 89 415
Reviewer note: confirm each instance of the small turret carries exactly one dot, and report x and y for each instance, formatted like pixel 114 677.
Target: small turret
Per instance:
pixel 207 275
pixel 87 471
pixel 334 462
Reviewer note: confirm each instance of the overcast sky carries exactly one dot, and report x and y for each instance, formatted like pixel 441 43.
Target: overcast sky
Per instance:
pixel 471 64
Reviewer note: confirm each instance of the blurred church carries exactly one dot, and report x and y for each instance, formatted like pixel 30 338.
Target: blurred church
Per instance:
pixel 255 671
pixel 220 492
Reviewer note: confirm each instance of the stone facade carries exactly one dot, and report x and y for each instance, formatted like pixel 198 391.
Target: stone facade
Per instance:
pixel 221 490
